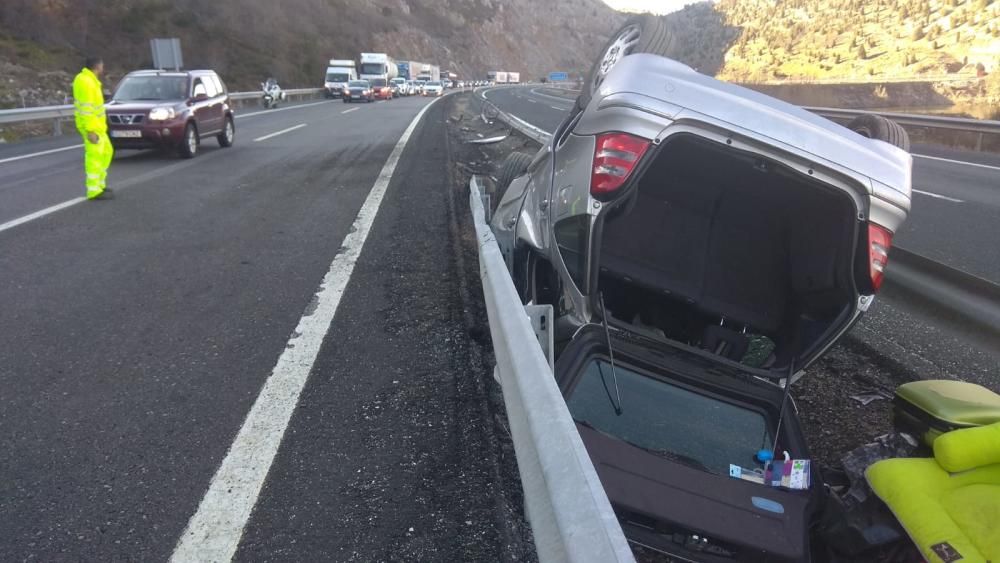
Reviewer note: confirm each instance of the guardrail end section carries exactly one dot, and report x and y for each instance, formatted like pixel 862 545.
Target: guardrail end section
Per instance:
pixel 570 515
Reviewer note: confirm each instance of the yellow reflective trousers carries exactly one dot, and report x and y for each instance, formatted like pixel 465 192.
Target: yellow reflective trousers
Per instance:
pixel 88 100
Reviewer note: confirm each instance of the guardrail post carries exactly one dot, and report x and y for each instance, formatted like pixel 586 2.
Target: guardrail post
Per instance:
pixel 979 142
pixel 57 127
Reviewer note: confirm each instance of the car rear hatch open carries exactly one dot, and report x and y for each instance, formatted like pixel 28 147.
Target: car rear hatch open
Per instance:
pixel 663 428
pixel 729 252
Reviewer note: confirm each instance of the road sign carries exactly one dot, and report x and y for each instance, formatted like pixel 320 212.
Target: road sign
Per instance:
pixel 558 77
pixel 166 54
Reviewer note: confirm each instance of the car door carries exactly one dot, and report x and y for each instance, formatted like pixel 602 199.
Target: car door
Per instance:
pixel 215 104
pixel 201 106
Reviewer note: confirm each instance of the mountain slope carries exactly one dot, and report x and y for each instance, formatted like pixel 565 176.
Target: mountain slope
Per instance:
pixel 292 39
pixel 838 40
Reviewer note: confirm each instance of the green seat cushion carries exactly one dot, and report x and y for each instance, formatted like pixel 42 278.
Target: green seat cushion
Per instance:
pixel 959 510
pixel 964 449
pixel 957 402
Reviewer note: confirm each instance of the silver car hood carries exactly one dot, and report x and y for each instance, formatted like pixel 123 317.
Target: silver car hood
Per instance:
pixel 646 81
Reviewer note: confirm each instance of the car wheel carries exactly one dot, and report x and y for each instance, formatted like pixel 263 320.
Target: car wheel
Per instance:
pixel 640 34
pixel 228 134
pixel 514 165
pixel 189 143
pixel 882 129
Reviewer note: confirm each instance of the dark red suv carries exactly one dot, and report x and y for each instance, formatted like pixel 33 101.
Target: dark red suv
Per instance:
pixel 173 110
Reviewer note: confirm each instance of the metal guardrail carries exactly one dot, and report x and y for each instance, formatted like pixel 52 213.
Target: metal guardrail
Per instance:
pixel 569 512
pixel 57 114
pixel 962 124
pixel 971 300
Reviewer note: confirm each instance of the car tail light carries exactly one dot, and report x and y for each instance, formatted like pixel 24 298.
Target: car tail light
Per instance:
pixel 879 242
pixel 614 159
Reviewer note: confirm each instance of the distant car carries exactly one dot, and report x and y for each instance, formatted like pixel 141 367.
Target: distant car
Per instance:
pixel 411 88
pixel 399 87
pixel 433 88
pixel 359 90
pixel 381 89
pixel 171 110
pixel 420 87
pixel 447 83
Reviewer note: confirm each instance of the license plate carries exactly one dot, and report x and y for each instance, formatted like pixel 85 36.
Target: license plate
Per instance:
pixel 127 134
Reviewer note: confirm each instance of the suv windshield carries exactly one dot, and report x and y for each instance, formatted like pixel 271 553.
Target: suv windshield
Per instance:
pixel 153 88
pixel 358 84
pixel 378 82
pixel 668 420
pixel 337 77
pixel 433 83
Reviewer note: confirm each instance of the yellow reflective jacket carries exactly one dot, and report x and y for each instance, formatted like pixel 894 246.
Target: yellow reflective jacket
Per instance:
pixel 88 100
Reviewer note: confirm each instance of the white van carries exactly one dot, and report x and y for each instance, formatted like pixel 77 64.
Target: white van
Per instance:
pixel 338 74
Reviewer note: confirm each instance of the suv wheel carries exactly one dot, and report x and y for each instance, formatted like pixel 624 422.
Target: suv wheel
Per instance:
pixel 640 34
pixel 189 144
pixel 228 133
pixel 882 129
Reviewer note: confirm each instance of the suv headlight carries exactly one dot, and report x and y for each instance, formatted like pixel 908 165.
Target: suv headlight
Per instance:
pixel 161 114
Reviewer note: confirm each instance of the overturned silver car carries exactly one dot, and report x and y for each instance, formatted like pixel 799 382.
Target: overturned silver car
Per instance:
pixel 701 244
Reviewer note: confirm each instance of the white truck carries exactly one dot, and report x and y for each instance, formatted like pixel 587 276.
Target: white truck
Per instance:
pixel 338 73
pixel 428 72
pixel 501 77
pixel 378 66
pixel 513 77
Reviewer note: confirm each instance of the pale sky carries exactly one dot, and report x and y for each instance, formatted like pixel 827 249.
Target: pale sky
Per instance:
pixel 654 6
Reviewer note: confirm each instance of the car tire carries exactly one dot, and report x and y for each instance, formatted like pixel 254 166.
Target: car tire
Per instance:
pixel 514 165
pixel 228 134
pixel 189 142
pixel 881 129
pixel 640 34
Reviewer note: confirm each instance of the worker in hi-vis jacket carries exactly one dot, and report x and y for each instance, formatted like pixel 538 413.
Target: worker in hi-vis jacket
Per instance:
pixel 88 100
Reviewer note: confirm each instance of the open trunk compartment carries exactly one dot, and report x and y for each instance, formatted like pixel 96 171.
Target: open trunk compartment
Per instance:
pixel 730 252
pixel 663 454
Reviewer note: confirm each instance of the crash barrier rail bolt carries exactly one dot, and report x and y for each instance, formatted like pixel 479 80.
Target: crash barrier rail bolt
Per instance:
pixel 569 512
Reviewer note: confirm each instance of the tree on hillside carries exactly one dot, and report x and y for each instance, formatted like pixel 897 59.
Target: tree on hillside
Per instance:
pixel 918 34
pixel 861 52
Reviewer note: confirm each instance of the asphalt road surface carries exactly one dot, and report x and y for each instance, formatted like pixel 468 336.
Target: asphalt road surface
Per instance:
pixel 158 347
pixel 956 202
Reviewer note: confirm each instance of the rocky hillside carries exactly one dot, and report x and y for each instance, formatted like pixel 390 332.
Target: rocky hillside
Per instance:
pixel 292 39
pixel 840 40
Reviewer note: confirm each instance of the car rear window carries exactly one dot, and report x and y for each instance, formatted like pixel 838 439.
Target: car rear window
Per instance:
pixel 676 423
pixel 151 88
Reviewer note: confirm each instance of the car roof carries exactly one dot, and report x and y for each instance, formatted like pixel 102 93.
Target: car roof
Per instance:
pixel 777 122
pixel 154 72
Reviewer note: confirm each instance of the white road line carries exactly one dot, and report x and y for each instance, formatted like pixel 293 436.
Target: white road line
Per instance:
pixel 530 100
pixel 560 109
pixel 268 111
pixel 282 132
pixel 41 213
pixel 976 164
pixel 350 110
pixel 939 196
pixel 214 531
pixel 42 153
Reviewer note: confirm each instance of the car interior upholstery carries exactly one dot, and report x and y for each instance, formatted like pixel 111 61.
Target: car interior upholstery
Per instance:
pixel 709 236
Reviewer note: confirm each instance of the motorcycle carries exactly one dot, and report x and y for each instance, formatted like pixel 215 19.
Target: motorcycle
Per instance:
pixel 272 94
